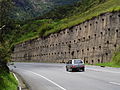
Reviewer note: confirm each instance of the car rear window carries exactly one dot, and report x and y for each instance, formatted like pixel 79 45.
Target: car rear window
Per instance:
pixel 77 61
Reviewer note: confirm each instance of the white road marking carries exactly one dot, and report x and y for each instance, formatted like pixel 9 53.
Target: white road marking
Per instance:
pixel 47 79
pixel 115 83
pixel 68 72
pixel 102 70
pixel 15 77
pixel 17 80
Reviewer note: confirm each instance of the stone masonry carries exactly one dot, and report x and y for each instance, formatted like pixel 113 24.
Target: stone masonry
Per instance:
pixel 93 41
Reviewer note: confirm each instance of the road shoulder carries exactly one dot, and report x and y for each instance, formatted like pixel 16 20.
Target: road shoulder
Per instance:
pixel 21 82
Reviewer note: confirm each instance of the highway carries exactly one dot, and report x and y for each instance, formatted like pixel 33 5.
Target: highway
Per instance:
pixel 48 76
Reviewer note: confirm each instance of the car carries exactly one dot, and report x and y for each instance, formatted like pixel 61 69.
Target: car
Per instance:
pixel 75 64
pixel 10 63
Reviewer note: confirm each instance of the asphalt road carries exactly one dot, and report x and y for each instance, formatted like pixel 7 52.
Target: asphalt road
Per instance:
pixel 43 76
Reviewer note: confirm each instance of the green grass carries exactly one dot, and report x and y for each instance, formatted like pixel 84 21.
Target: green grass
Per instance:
pixel 116 58
pixel 7 81
pixel 115 61
pixel 109 6
pixel 109 64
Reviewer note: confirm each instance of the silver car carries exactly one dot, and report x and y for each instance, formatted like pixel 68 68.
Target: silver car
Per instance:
pixel 75 64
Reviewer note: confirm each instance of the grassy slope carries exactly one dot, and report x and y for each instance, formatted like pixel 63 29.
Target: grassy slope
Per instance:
pixel 36 28
pixel 7 81
pixel 109 64
pixel 109 6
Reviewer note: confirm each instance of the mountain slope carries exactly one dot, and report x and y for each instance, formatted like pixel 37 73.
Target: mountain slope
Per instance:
pixel 27 9
pixel 78 13
pixel 87 11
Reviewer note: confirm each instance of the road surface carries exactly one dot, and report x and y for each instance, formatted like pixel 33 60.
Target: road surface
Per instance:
pixel 48 76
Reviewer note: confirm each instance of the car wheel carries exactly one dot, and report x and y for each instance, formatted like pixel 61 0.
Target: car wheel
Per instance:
pixel 79 70
pixel 66 69
pixel 83 69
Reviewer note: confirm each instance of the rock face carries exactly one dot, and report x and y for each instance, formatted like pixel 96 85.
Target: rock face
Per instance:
pixel 94 41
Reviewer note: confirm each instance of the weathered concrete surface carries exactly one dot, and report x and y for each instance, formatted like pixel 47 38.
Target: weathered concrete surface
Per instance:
pixel 94 41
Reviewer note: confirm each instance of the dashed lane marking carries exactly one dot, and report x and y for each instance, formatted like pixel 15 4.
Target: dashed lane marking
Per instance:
pixel 115 83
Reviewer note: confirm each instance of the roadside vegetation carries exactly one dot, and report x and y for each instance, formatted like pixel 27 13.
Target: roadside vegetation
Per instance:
pixel 108 64
pixel 115 61
pixel 7 81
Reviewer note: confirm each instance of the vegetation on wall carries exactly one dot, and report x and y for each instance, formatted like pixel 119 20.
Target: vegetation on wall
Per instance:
pixel 115 60
pixel 116 57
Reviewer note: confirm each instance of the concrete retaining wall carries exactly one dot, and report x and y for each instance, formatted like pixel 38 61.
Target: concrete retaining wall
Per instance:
pixel 94 41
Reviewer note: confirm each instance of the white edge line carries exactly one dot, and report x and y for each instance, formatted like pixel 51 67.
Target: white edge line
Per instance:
pixel 115 83
pixel 47 80
pixel 17 80
pixel 102 70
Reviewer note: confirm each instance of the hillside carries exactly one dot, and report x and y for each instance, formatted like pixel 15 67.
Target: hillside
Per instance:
pixel 65 16
pixel 61 17
pixel 27 9
pixel 85 10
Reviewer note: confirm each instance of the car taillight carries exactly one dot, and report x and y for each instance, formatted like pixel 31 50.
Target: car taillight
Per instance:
pixel 82 66
pixel 73 66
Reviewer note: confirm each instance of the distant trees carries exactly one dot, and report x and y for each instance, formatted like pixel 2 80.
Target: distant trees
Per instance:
pixel 5 21
pixel 57 13
pixel 102 1
pixel 5 8
pixel 65 11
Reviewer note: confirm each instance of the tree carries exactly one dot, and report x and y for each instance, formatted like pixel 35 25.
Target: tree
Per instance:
pixel 5 9
pixel 5 27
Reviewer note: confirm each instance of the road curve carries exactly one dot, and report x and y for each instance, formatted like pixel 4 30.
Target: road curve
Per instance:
pixel 48 76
